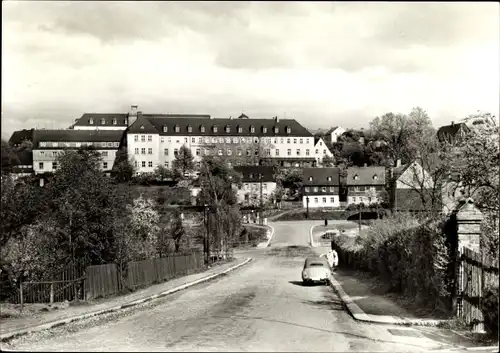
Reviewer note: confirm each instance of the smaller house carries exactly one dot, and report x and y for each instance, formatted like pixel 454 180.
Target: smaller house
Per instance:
pixel 321 149
pixel 453 132
pixel 256 182
pixel 332 135
pixel 365 185
pixel 321 187
pixel 411 188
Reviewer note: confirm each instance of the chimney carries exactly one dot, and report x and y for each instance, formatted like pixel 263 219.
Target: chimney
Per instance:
pixel 452 124
pixel 398 163
pixel 132 115
pixel 230 118
pixel 276 119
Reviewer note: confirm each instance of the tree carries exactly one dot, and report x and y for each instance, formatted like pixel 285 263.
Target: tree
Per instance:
pixel 161 173
pixel 123 168
pixel 328 161
pixel 144 227
pixel 177 230
pixel 9 158
pixel 183 162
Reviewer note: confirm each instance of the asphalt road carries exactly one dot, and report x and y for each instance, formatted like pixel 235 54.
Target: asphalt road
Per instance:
pixel 261 307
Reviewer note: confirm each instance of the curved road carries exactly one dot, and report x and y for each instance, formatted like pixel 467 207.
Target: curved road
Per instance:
pixel 261 307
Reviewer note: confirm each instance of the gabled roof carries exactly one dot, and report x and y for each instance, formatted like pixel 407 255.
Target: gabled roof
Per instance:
pixel 321 176
pixel 365 176
pixel 251 173
pixel 452 130
pixel 84 120
pixel 76 136
pixel 21 135
pixel 145 125
pixel 332 129
pixel 178 116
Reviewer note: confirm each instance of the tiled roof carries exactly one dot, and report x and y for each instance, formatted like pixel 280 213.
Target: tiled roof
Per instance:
pixel 251 173
pixel 448 131
pixel 19 136
pixel 196 124
pixel 76 136
pixel 320 176
pixel 84 120
pixel 366 176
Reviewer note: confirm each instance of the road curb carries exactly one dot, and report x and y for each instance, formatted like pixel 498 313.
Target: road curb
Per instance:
pixel 358 314
pixel 311 238
pixel 8 336
pixel 268 242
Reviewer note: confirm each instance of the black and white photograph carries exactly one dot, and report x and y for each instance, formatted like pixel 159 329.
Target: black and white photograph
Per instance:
pixel 250 176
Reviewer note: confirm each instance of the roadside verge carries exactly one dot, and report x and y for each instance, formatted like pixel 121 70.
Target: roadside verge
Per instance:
pixel 14 334
pixel 270 235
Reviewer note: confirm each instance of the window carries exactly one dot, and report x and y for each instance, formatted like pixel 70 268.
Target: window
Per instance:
pixel 240 129
pixel 268 152
pixel 329 178
pixel 256 152
pixel 264 129
pixel 136 138
pixel 54 165
pixel 356 177
pixel 276 129
pixel 110 144
pixel 104 165
pixel 150 138
pixel 264 186
pixel 40 165
pixel 193 140
pixel 315 189
pixel 317 151
pixel 275 141
pixel 162 139
pixel 306 189
pixel 294 140
pixel 356 188
pixel 126 121
pixel 91 121
pixel 229 152
pixel 324 151
pixel 235 140
pixel 116 144
pixel 42 153
pixel 324 199
pixel 369 199
pixel 277 152
pixel 165 128
pixel 103 121
pixel 136 164
pixel 221 140
pixel 228 140
pixel 282 140
pixel 43 144
pixel 143 151
pixel 372 188
pixel 375 177
pixel 165 151
pixel 143 164
pixel 54 144
pixel 165 164
pixel 176 151
pixel 177 128
pixel 332 200
pixel 190 129
pixel 186 140
pixel 298 152
pixel 315 200
pixel 252 129
pixel 320 143
pixel 202 128
pixel 354 199
pixel 200 140
pixel 323 189
pixel 332 189
pixel 288 141
pixel 228 129
pixel 288 130
pixel 289 152
pixel 54 153
pixel 310 178
pixel 143 138
pixel 197 151
pixel 150 164
pixel 114 121
pixel 238 152
pixel 219 152
pixel 249 152
pixel 150 151
pixel 104 153
pixel 214 128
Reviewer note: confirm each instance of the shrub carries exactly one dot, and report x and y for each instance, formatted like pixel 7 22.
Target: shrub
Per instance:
pixel 490 310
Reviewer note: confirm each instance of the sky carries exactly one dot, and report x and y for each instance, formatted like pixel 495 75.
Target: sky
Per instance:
pixel 321 63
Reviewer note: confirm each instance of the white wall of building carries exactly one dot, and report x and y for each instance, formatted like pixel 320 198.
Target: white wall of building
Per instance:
pixel 334 136
pixel 365 199
pixel 253 189
pixel 44 160
pixel 319 201
pixel 144 150
pixel 321 150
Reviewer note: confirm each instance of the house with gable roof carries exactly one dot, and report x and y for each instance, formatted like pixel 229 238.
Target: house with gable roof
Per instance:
pixel 365 185
pixel 321 187
pixel 332 135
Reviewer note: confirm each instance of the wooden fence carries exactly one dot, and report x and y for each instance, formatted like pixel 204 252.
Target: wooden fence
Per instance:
pixel 475 274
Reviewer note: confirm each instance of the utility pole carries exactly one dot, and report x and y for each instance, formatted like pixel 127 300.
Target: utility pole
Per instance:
pixel 359 206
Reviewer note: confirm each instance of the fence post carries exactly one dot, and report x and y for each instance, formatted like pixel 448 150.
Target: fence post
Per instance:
pixel 52 293
pixel 21 295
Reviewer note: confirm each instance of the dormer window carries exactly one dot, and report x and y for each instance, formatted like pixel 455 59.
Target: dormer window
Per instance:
pixel 228 129
pixel 310 178
pixel 375 177
pixel 202 128
pixel 264 129
pixel 103 121
pixel 252 129
pixel 276 129
pixel 356 177
pixel 329 178
pixel 91 121
pixel 177 128
pixel 114 121
pixel 214 128
pixel 142 127
pixel 240 129
pixel 126 121
pixel 288 129
pixel 190 129
pixel 165 128
pixel 250 176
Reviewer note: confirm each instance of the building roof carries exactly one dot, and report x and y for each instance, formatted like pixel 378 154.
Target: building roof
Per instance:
pixel 109 118
pixel 76 136
pixel 193 126
pixel 19 136
pixel 321 176
pixel 451 130
pixel 365 176
pixel 251 173
pixel 332 130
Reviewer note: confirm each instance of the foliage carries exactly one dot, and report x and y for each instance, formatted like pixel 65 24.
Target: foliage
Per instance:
pixel 162 173
pixel 177 229
pixel 490 310
pixel 144 226
pixel 9 157
pixel 291 179
pixel 183 162
pixel 328 161
pixel 123 168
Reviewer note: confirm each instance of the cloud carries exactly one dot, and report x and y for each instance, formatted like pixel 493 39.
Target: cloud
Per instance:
pixel 324 63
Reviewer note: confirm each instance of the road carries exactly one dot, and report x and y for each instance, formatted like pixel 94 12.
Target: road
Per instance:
pixel 261 307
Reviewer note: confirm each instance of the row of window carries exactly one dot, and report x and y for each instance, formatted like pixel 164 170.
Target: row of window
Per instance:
pixel 316 200
pixel 254 185
pixel 78 144
pixel 220 152
pixel 362 199
pixel 235 140
pixel 227 129
pixel 166 164
pixel 332 188
pixel 103 121
pixel 57 153
pixel 41 165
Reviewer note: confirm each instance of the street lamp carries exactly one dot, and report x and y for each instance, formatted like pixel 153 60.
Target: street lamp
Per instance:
pixel 307 205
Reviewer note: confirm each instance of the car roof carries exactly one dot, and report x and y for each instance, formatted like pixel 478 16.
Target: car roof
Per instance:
pixel 311 259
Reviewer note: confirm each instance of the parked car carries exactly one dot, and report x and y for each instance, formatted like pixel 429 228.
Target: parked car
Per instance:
pixel 316 270
pixel 328 235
